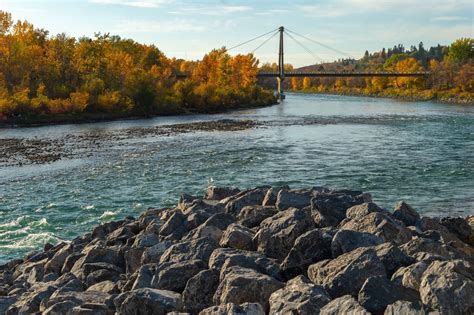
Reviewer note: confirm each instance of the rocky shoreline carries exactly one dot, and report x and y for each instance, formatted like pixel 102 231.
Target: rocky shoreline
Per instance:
pixel 270 250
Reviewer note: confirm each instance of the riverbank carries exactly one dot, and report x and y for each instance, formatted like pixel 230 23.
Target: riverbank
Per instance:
pixel 263 250
pixel 84 118
pixel 421 96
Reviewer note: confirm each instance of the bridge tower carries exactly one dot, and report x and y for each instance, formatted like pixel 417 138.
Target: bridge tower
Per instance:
pixel 281 66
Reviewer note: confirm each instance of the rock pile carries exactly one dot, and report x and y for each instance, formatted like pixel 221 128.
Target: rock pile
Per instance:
pixel 269 250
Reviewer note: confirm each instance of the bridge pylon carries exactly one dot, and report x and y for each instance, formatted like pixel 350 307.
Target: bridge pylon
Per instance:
pixel 281 65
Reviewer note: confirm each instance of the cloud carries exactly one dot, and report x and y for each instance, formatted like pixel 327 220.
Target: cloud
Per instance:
pixel 449 18
pixel 134 3
pixel 339 8
pixel 216 10
pixel 169 26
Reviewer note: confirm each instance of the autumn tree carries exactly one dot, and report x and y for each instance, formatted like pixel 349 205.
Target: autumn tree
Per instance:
pixel 306 83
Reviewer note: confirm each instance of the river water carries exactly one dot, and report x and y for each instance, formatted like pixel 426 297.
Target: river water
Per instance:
pixel 419 152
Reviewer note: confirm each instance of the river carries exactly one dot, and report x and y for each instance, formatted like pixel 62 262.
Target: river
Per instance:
pixel 419 152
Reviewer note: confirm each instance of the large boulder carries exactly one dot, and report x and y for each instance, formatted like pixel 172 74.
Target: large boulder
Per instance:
pixel 242 285
pixel 392 257
pixel 200 290
pixel 378 292
pixel 223 258
pixel 200 248
pixel 405 307
pixel 347 273
pixel 239 237
pixel 382 225
pixel 272 195
pixel 410 276
pixel 234 309
pixel 294 198
pixel 148 301
pixel 460 228
pixel 406 214
pixel 174 276
pixel 361 210
pixel 250 198
pixel 278 233
pixel 345 241
pixel 219 193
pixel 70 300
pixel 252 216
pixel 333 204
pixel 309 248
pixel 299 296
pixel 29 302
pixel 448 286
pixel 343 305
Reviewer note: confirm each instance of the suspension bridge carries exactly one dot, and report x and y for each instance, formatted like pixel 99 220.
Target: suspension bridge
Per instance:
pixel 280 74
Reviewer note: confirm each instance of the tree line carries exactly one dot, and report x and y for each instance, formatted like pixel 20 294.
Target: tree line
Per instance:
pixel 451 73
pixel 44 76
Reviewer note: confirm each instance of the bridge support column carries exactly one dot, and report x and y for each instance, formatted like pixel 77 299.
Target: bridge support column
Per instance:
pixel 281 66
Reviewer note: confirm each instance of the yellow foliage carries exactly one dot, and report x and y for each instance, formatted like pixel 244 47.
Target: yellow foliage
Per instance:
pixel 79 101
pixel 306 83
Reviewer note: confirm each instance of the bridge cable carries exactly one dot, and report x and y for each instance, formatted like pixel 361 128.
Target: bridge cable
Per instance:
pixel 266 41
pixel 250 40
pixel 320 44
pixel 316 57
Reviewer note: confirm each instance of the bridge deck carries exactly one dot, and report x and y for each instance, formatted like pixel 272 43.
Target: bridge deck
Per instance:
pixel 343 74
pixel 318 74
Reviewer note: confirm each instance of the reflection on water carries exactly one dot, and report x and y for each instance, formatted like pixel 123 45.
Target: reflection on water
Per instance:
pixel 419 152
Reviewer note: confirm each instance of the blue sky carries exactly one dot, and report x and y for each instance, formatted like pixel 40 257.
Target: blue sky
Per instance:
pixel 188 29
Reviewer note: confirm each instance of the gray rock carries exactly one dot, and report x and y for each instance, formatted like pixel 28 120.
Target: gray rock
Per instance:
pixel 460 228
pixel 448 286
pixel 378 292
pixel 175 226
pixel 382 225
pixel 347 240
pixel 406 214
pixel 200 290
pixel 200 249
pixel 309 248
pixel 347 273
pixel 252 216
pixel 278 233
pixel 233 309
pixel 144 276
pixel 405 307
pixel 392 257
pixel 97 254
pixel 133 259
pixel 242 285
pixel 55 264
pixel 333 205
pixel 426 245
pixel 271 196
pixel 148 301
pixel 29 302
pixel 107 286
pixel 343 305
pixel 223 258
pixel 299 296
pixel 361 210
pixel 154 253
pixel 219 193
pixel 239 237
pixel 294 198
pixel 249 198
pixel 174 276
pixel 410 276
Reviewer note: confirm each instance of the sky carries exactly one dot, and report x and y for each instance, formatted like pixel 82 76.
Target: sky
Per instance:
pixel 189 29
